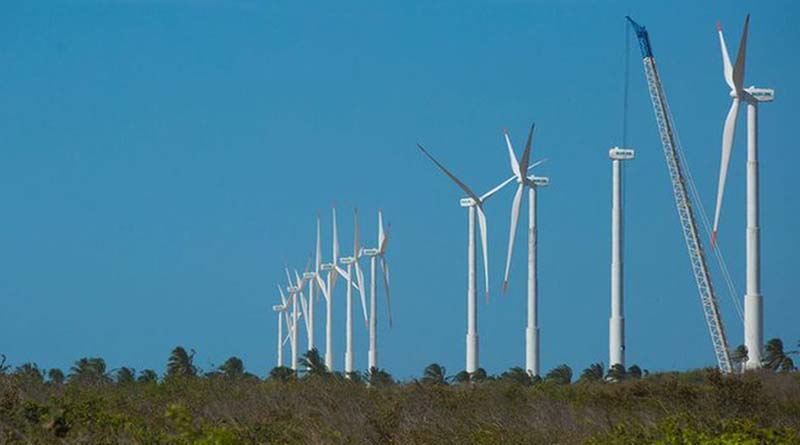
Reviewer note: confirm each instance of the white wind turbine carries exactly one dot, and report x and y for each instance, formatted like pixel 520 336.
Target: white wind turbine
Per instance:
pixel 332 270
pixel 353 267
pixel 532 183
pixel 294 288
pixel 281 310
pixel 734 77
pixel 374 254
pixel 475 205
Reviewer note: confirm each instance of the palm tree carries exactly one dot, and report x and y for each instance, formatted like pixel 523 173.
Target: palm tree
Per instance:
pixel 561 375
pixel 233 368
pixel 739 356
pixel 461 378
pixel 635 372
pixel 313 363
pixel 148 376
pixel 3 366
pixel 594 373
pixel 617 373
pixel 30 371
pixel 776 358
pixel 55 376
pixel 181 363
pixel 479 376
pixel 379 377
pixel 517 375
pixel 89 370
pixel 434 374
pixel 126 375
pixel 281 374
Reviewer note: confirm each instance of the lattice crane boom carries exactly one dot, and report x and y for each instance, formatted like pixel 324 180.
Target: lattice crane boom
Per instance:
pixel 683 203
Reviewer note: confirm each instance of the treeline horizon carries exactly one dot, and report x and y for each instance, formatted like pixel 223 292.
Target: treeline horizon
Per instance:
pixel 227 405
pixel 181 363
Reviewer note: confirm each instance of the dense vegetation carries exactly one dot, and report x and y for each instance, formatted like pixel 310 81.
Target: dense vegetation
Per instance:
pixel 92 405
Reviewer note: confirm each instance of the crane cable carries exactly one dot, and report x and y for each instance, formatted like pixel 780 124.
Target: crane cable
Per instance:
pixel 690 180
pixel 624 140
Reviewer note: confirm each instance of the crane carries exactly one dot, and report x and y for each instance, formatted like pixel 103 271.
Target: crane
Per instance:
pixel 683 203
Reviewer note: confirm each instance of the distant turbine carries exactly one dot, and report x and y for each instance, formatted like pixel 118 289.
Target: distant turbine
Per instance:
pixel 332 270
pixel 353 267
pixel 520 169
pixel 616 324
pixel 281 310
pixel 475 205
pixel 293 289
pixel 374 254
pixel 753 301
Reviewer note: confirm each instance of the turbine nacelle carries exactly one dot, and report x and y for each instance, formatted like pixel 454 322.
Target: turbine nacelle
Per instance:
pixel 759 94
pixel 621 154
pixel 279 308
pixel 309 275
pixel 539 181
pixel 370 251
pixel 292 289
pixel 467 202
pixel 347 260
pixel 327 267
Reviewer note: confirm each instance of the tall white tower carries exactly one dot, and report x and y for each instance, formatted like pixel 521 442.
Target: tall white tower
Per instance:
pixel 616 324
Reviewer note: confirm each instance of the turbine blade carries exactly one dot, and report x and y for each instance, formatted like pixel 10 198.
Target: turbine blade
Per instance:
pixel 361 290
pixel 333 280
pixel 738 69
pixel 288 276
pixel 385 270
pixel 497 188
pixel 515 206
pixel 482 226
pixel 512 156
pixel 728 134
pixel 342 272
pixel 356 245
pixel 526 155
pixel 727 69
pixel 283 297
pixel 335 239
pixel 458 182
pixel 385 241
pixel 304 309
pixel 381 234
pixel 321 285
pixel 318 260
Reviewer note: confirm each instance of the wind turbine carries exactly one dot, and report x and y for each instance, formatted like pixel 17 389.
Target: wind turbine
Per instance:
pixel 313 277
pixel 616 324
pixel 734 77
pixel 293 289
pixel 474 204
pixel 281 310
pixel 374 255
pixel 532 183
pixel 353 267
pixel 332 270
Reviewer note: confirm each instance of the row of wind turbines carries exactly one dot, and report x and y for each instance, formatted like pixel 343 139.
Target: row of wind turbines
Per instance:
pixel 295 306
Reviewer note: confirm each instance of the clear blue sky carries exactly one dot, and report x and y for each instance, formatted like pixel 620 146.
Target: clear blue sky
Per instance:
pixel 161 158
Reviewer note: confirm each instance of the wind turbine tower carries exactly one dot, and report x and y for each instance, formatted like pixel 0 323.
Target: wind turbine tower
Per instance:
pixel 520 168
pixel 616 324
pixel 474 204
pixel 374 255
pixel 753 301
pixel 353 267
